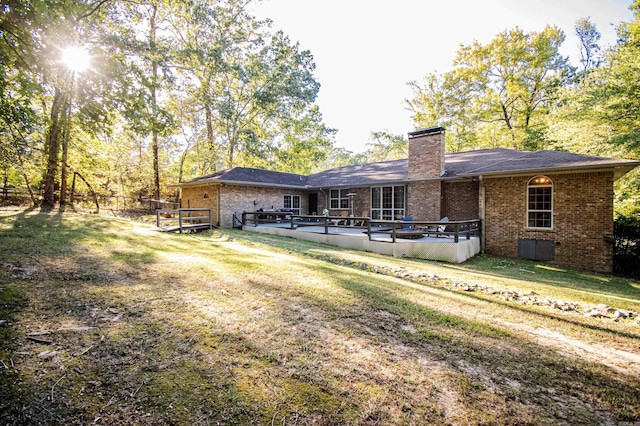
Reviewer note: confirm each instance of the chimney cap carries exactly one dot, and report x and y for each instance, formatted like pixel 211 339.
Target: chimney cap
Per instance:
pixel 426 131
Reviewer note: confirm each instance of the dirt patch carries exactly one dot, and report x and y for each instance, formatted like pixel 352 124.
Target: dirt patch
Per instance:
pixel 624 362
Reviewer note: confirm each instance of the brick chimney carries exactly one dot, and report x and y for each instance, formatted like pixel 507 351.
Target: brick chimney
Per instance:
pixel 426 165
pixel 426 153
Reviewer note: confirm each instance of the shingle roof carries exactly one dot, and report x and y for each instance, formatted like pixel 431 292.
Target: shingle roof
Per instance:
pixel 252 176
pixel 362 174
pixel 486 162
pixel 514 161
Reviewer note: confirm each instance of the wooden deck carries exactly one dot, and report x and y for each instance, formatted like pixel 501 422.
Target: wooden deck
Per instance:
pixel 379 239
pixel 395 228
pixel 459 241
pixel 184 220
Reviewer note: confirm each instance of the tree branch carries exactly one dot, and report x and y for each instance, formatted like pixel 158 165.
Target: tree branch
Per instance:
pixel 92 10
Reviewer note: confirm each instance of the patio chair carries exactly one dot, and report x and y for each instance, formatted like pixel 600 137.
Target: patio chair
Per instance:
pixel 338 222
pixel 407 226
pixel 439 229
pixel 361 222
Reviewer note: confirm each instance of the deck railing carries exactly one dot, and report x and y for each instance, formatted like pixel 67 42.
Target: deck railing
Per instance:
pixel 401 229
pixel 185 219
pixel 394 228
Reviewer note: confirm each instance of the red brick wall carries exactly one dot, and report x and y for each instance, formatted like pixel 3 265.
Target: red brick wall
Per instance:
pixel 423 200
pixel 426 156
pixel 194 197
pixel 238 198
pixel 460 200
pixel 583 218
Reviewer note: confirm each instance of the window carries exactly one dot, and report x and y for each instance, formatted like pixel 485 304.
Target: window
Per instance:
pixel 540 203
pixel 292 202
pixel 338 199
pixel 387 202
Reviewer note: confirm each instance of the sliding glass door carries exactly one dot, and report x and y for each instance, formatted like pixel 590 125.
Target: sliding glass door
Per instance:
pixel 387 202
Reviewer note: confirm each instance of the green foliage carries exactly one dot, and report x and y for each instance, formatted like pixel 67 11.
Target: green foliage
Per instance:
pixel 589 37
pixel 517 91
pixel 175 90
pixel 386 146
pixel 599 114
pixel 305 143
pixel 497 94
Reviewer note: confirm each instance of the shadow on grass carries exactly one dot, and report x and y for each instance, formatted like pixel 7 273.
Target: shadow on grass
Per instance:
pixel 492 267
pixel 521 376
pixel 101 353
pixel 154 358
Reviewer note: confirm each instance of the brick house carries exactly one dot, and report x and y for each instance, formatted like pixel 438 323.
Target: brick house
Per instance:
pixel 547 205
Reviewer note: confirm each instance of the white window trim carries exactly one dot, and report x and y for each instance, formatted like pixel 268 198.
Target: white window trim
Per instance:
pixel 393 200
pixel 340 198
pixel 296 210
pixel 531 184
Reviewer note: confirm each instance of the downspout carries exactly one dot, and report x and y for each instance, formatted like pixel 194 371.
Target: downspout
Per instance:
pixel 218 206
pixel 482 213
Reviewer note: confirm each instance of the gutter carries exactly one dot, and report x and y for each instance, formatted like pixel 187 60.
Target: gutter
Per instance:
pixel 235 182
pixel 619 169
pixel 316 188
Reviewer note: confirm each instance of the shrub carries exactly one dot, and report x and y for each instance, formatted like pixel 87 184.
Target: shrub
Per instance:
pixel 626 252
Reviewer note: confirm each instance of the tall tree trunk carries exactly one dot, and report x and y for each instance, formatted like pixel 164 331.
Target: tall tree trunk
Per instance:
pixel 53 143
pixel 93 193
pixel 210 137
pixel 5 192
pixel 231 150
pixel 73 190
pixel 154 82
pixel 26 181
pixel 66 135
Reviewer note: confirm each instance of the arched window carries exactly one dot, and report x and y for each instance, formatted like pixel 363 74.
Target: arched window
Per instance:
pixel 540 203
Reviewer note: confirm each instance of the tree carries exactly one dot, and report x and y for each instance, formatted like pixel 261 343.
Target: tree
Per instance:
pixel 241 94
pixel 34 33
pixel 600 115
pixel 441 101
pixel 497 94
pixel 141 34
pixel 512 80
pixel 588 36
pixel 305 144
pixel 259 89
pixel 387 146
pixel 208 41
pixel 17 122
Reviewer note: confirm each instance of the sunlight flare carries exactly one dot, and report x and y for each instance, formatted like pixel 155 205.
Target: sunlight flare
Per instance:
pixel 76 58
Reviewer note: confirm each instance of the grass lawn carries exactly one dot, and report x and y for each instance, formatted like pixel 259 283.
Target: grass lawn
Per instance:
pixel 105 321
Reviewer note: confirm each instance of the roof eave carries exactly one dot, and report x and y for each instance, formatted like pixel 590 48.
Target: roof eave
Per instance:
pixel 619 169
pixel 236 182
pixel 359 185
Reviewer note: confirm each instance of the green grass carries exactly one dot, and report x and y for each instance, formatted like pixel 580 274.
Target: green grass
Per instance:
pixel 232 327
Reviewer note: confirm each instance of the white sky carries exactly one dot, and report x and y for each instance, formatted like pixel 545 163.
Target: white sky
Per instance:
pixel 366 51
